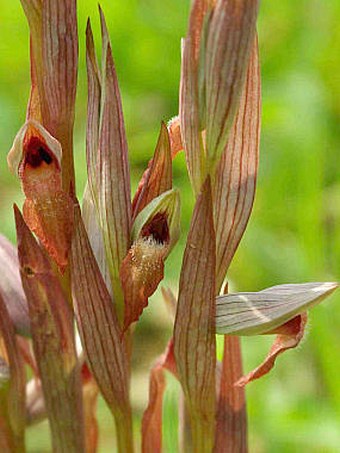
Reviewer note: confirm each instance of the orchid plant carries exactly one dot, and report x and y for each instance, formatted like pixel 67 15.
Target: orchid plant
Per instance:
pixel 89 272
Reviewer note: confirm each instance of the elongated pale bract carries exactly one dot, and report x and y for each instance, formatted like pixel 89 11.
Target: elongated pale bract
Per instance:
pixel 236 174
pixel 262 312
pixel 107 158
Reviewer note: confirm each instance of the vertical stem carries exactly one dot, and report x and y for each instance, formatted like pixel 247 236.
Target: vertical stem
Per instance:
pixel 9 441
pixel 90 397
pixel 202 435
pixel 124 432
pixel 66 141
pixel 231 429
pixel 185 437
pixel 123 420
pixel 64 409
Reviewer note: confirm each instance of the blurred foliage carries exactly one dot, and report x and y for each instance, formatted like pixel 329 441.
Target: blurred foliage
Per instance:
pixel 294 232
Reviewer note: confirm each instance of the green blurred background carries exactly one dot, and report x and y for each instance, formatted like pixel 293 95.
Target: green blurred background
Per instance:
pixel 294 231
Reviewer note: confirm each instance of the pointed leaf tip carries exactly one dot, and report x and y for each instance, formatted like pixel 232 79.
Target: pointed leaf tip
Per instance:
pixel 264 311
pixel 88 26
pixel 94 92
pixel 114 199
pixel 277 310
pixel 157 178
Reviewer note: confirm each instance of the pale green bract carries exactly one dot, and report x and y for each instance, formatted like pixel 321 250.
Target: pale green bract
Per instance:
pixel 256 313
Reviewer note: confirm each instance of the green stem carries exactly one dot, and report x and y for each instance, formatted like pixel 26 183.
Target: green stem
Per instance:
pixel 185 436
pixel 124 432
pixel 202 435
pixel 9 440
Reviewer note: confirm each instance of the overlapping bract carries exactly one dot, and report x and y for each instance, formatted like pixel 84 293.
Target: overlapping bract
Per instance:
pixel 54 66
pixel 107 158
pixel 100 331
pixel 53 341
pixel 215 58
pixel 194 330
pixel 219 81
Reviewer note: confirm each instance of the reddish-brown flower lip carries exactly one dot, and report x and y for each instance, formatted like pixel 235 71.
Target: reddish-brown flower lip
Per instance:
pixel 157 228
pixel 36 153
